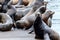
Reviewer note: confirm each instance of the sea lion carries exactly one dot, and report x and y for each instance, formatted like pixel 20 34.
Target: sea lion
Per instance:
pixel 5 22
pixel 28 20
pixel 46 17
pixel 39 30
pixel 39 3
pixel 39 24
pixel 28 2
pixel 3 6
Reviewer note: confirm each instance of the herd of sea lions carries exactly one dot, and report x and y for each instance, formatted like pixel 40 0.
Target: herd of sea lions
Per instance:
pixel 25 14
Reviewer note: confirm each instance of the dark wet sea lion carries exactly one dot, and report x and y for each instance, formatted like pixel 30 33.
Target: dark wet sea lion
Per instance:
pixel 25 2
pixel 24 18
pixel 28 2
pixel 11 12
pixel 39 30
pixel 39 23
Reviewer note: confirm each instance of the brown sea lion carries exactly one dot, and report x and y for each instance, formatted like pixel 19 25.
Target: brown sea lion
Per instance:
pixel 29 2
pixel 24 18
pixel 28 20
pixel 46 17
pixel 40 27
pixel 39 3
pixel 5 22
pixel 2 1
pixel 21 12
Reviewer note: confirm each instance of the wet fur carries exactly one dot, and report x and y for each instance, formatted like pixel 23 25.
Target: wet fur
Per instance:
pixel 40 25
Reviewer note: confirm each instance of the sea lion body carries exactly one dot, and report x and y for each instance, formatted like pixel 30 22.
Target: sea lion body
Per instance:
pixel 5 22
pixel 28 20
pixel 40 24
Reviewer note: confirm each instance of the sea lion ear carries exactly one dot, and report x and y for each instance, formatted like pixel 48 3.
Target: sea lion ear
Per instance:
pixel 42 9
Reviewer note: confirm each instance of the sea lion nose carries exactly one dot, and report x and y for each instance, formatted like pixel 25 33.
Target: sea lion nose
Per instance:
pixel 38 14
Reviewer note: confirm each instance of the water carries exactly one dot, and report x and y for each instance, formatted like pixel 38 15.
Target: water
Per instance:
pixel 54 5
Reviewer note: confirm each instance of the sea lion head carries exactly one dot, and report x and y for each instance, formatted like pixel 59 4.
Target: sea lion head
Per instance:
pixel 42 9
